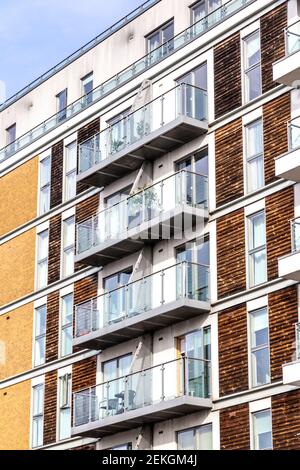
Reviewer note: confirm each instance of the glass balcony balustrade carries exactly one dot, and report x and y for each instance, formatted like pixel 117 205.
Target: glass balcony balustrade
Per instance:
pixel 298 341
pixel 295 228
pixel 183 100
pixel 182 281
pixel 184 188
pixel 294 134
pixel 292 36
pixel 186 376
pixel 192 32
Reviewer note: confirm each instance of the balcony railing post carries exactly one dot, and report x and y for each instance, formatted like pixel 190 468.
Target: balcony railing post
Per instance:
pixel 90 405
pixel 162 276
pixel 162 382
pixel 162 99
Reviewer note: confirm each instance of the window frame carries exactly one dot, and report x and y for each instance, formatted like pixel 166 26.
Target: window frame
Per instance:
pixel 251 252
pixel 87 96
pixel 246 70
pixel 39 336
pixel 61 113
pixel 160 30
pixel 69 248
pixel 8 135
pixel 253 437
pixel 248 159
pixel 194 430
pixel 68 325
pixel 67 405
pixel 68 173
pixel 253 349
pixel 207 12
pixel 37 416
pixel 45 186
pixel 39 261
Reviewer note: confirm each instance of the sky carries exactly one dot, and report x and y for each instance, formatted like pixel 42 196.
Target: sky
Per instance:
pixel 37 34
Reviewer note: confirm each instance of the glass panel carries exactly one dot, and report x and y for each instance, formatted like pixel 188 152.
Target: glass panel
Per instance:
pixel 64 423
pixel 38 400
pixel 45 171
pixel 255 174
pixel 262 427
pixel 258 232
pixel 186 440
pixel 71 157
pixel 70 188
pixel 42 274
pixel 204 437
pixel 43 245
pixel 293 38
pixel 258 267
pixel 253 78
pixel 294 129
pixel 39 351
pixel 44 200
pixel 37 432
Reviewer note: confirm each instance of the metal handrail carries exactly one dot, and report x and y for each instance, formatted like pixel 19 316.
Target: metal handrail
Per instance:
pixel 186 36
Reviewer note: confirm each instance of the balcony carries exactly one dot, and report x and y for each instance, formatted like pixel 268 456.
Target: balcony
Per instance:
pixel 162 392
pixel 287 166
pixel 174 294
pixel 289 266
pixel 287 70
pixel 162 211
pixel 169 121
pixel 291 371
pixel 139 67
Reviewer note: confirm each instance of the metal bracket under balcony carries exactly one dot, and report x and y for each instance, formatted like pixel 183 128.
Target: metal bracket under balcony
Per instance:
pixel 167 225
pixel 169 409
pixel 160 126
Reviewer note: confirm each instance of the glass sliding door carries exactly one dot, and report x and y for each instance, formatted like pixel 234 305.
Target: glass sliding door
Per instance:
pixel 192 100
pixel 115 300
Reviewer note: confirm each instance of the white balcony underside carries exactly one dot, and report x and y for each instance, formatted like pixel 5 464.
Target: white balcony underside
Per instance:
pixel 291 373
pixel 287 70
pixel 167 409
pixel 287 166
pixel 289 267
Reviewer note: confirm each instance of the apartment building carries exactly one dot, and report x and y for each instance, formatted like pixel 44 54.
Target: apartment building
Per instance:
pixel 150 236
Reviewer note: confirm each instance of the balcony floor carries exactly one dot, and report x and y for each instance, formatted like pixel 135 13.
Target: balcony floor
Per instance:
pixel 287 166
pixel 287 70
pixel 289 267
pixel 165 226
pixel 134 326
pixel 150 147
pixel 168 409
pixel 291 373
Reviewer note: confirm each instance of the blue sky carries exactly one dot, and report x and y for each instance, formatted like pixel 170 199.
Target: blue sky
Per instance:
pixel 37 34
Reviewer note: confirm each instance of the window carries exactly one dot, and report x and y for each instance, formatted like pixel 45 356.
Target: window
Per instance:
pixel 115 303
pixel 162 36
pixel 120 131
pixel 70 171
pixel 194 98
pixel 260 356
pixel 42 259
pixel 11 134
pixel 87 88
pixel 203 8
pixel 252 66
pixel 195 439
pixel 64 407
pixel 254 155
pixel 68 246
pixel 61 99
pixel 40 335
pixel 114 394
pixel 123 447
pixel 45 177
pixel 262 430
pixel 37 415
pixel 195 189
pixel 257 249
pixel 66 325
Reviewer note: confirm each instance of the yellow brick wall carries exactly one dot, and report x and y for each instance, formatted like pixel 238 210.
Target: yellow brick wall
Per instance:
pixel 16 341
pixel 18 196
pixel 17 267
pixel 15 417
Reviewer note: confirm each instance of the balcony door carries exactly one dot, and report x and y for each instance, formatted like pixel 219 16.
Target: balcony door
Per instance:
pixel 196 348
pixel 113 393
pixel 115 303
pixel 116 214
pixel 192 99
pixel 192 277
pixel 191 188
pixel 119 131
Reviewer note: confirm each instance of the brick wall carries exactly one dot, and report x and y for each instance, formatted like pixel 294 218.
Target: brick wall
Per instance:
pixel 227 71
pixel 231 254
pixel 52 326
pixel 229 162
pixel 233 351
pixel 83 134
pixel 276 115
pixel 54 249
pixel 279 212
pixel 57 158
pixel 234 428
pixel 286 421
pixel 50 404
pixel 283 314
pixel 272 43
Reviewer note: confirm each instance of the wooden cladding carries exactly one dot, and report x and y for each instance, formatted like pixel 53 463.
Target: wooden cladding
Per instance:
pixel 276 115
pixel 286 421
pixel 52 326
pixel 83 134
pixel 231 254
pixel 54 249
pixel 279 212
pixel 283 314
pixel 50 404
pixel 57 161
pixel 229 162
pixel 235 428
pixel 227 71
pixel 233 350
pixel 272 43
